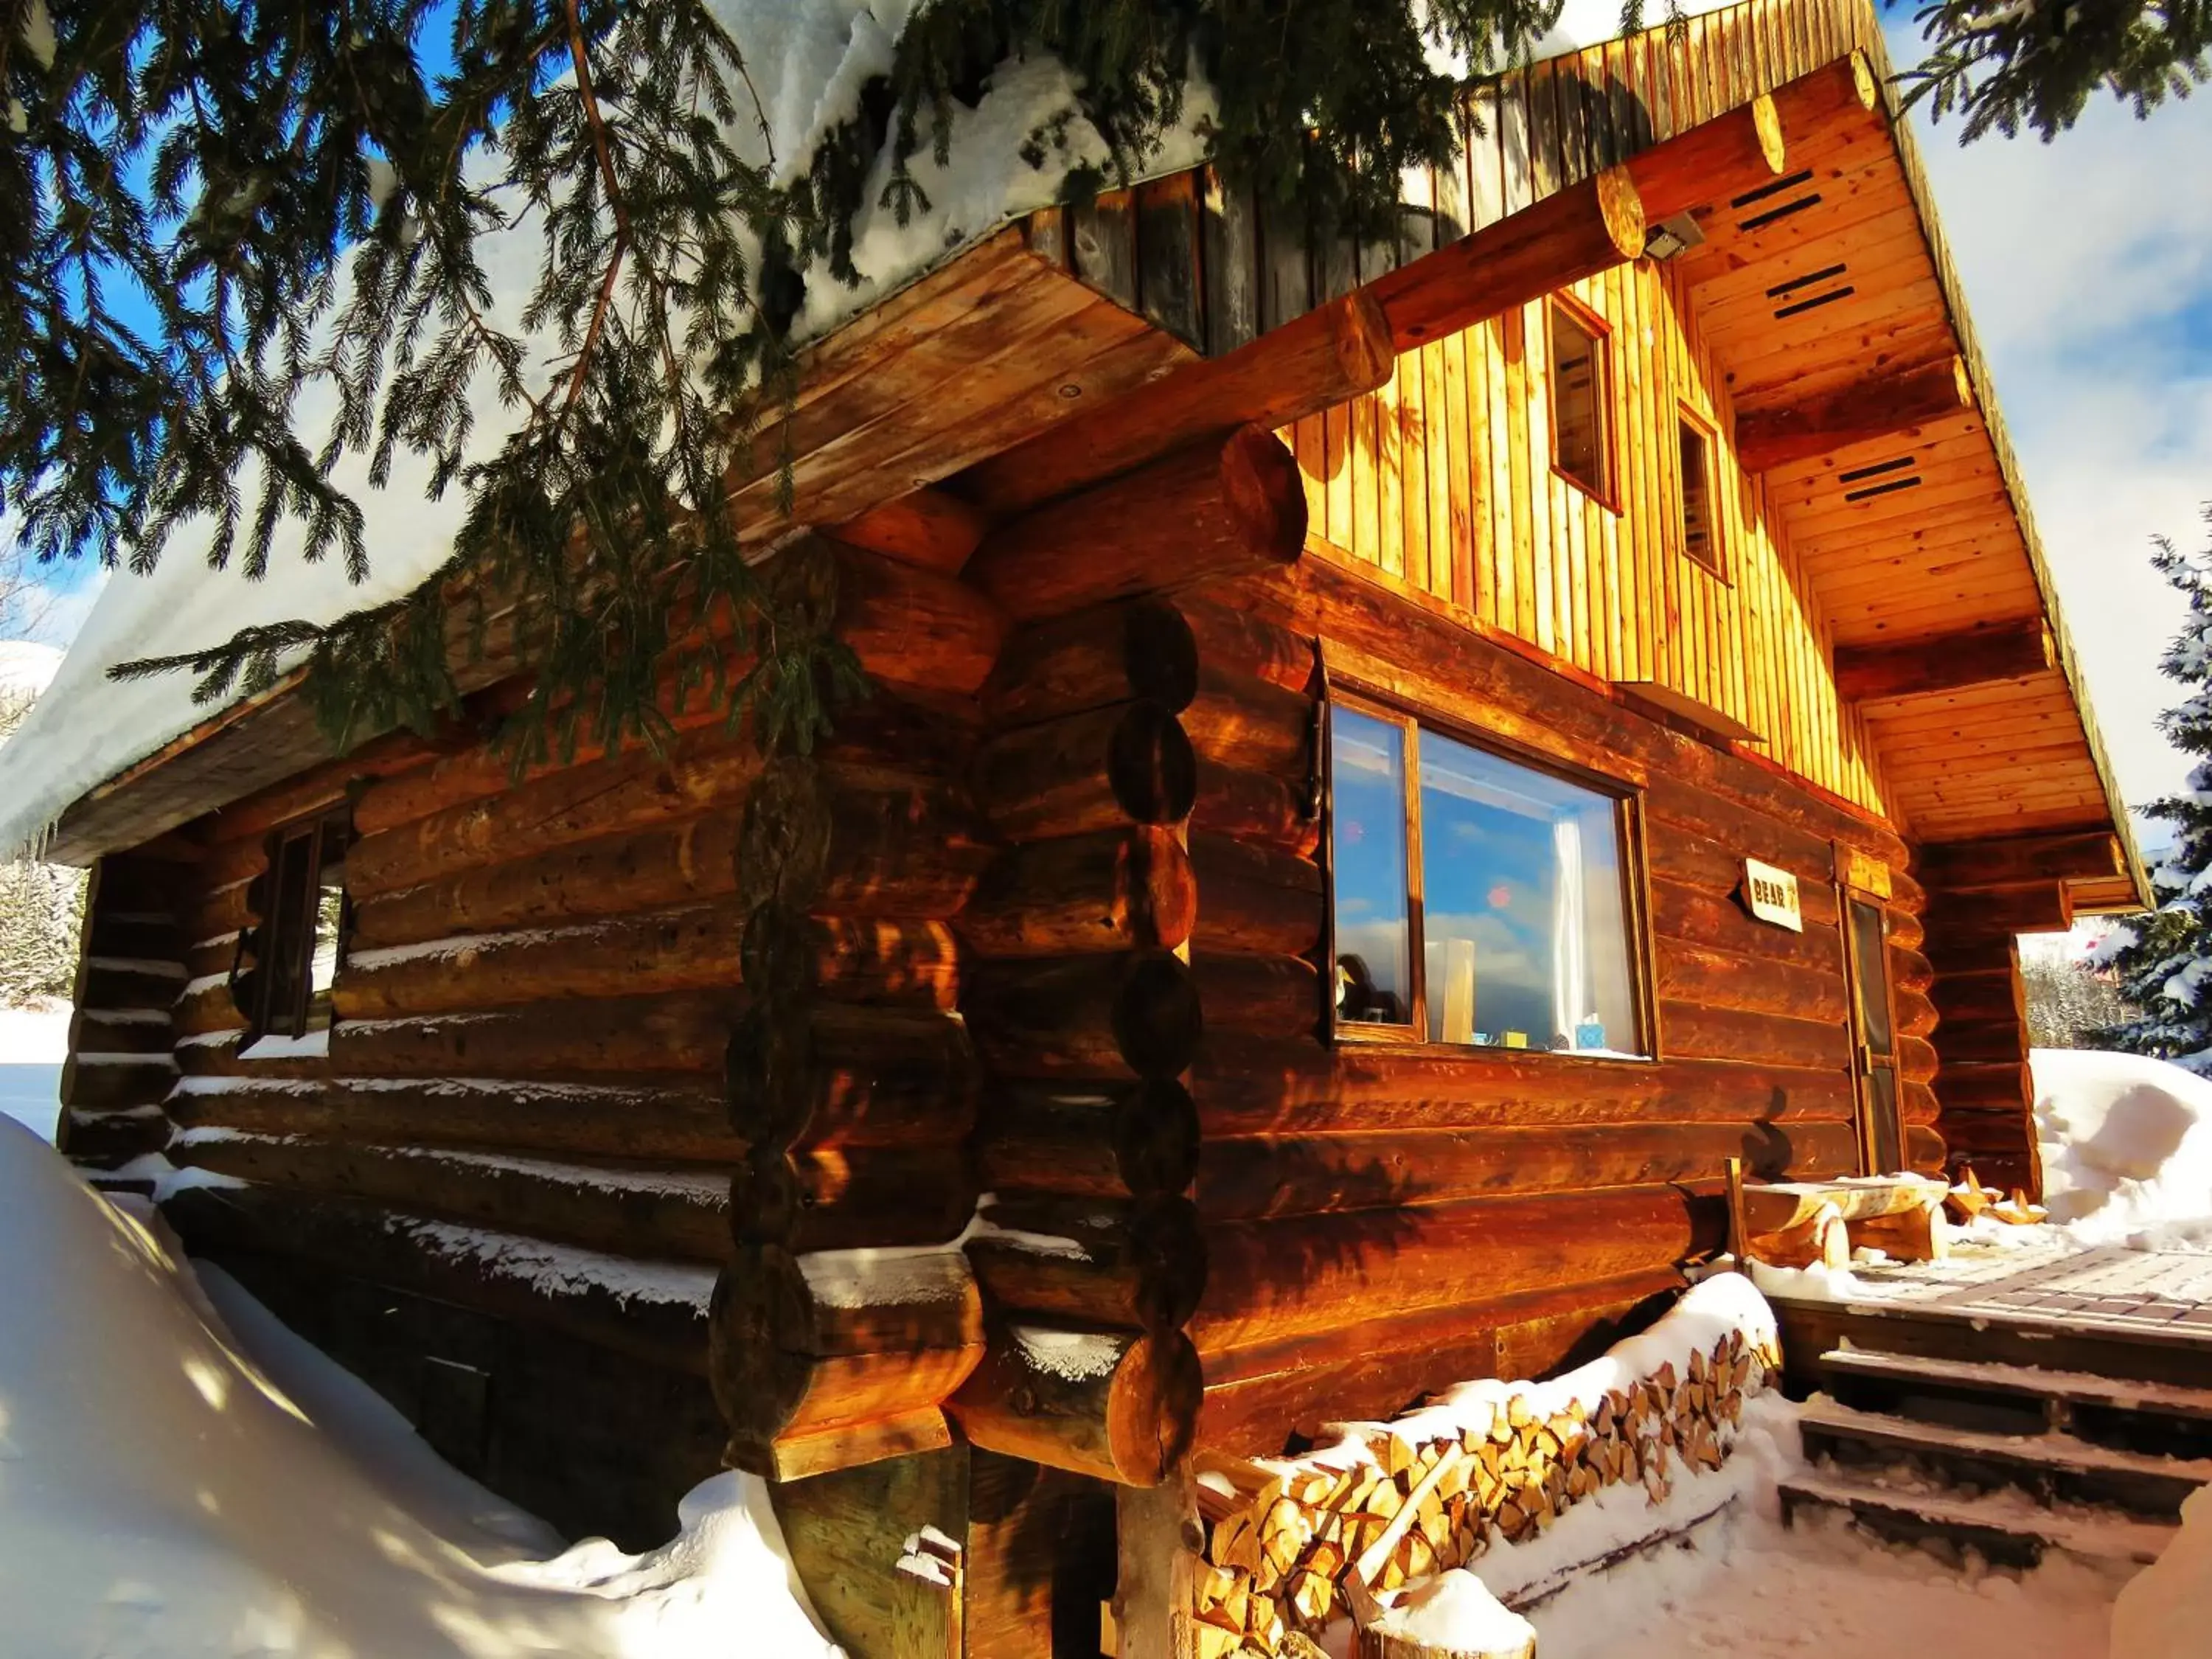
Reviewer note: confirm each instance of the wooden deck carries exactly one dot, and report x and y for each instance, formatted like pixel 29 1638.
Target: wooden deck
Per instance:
pixel 2140 1314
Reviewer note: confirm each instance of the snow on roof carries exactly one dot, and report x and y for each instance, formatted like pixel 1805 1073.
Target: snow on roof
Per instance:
pixel 808 60
pixel 26 667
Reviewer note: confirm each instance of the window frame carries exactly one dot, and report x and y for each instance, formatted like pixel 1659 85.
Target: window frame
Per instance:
pixel 1717 566
pixel 1600 333
pixel 263 1019
pixel 1629 818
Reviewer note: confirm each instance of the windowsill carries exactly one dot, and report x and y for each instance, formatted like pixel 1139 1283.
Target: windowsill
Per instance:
pixel 1583 489
pixel 315 1045
pixel 1401 1040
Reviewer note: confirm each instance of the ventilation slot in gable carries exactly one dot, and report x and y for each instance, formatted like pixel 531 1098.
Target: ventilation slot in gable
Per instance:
pixel 1795 181
pixel 1883 471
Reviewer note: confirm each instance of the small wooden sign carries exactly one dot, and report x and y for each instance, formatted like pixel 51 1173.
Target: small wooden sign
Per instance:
pixel 1771 896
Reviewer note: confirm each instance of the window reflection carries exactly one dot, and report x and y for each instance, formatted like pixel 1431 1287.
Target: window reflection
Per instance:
pixel 1526 935
pixel 1367 851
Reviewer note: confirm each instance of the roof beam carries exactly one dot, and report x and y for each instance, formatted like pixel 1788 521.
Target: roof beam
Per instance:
pixel 1965 866
pixel 1847 86
pixel 1575 233
pixel 1327 356
pixel 1724 157
pixel 1945 662
pixel 1884 402
pixel 928 528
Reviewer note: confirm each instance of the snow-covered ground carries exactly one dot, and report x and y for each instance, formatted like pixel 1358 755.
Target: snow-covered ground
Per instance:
pixel 180 1476
pixel 33 1043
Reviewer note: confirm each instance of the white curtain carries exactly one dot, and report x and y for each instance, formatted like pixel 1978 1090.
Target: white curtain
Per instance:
pixel 1571 988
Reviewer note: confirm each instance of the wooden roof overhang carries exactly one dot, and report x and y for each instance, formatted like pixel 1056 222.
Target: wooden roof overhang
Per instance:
pixel 1085 341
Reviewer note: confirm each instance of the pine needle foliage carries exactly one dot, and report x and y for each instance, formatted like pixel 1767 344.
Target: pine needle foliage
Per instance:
pixel 217 214
pixel 2165 959
pixel 2002 66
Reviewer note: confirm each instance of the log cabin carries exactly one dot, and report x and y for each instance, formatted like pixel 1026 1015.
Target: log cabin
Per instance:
pixel 1388 763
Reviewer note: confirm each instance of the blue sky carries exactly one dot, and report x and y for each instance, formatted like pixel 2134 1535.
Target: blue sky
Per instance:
pixel 2088 262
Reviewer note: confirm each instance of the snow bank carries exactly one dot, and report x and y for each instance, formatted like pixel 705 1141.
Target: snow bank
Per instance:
pixel 163 1493
pixel 2166 1610
pixel 2127 1149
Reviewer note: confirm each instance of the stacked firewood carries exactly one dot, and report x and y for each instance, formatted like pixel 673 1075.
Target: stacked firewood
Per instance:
pixel 1291 1544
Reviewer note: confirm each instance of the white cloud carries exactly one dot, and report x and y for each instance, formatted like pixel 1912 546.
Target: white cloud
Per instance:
pixel 2087 265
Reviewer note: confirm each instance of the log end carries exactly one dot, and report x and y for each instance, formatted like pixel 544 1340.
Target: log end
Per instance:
pixel 1864 82
pixel 1264 494
pixel 1622 210
pixel 1152 1412
pixel 1766 126
pixel 1151 766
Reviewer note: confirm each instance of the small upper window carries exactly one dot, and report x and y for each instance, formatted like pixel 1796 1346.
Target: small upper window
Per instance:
pixel 285 989
pixel 1700 532
pixel 1581 442
pixel 1478 900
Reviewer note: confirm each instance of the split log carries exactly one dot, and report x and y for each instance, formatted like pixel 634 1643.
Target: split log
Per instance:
pixel 1825 1240
pixel 1090 1262
pixel 843 1198
pixel 814 841
pixel 114 1082
pixel 609 1119
pixel 1130 763
pixel 1254 899
pixel 1115 1405
pixel 909 963
pixel 580 804
pixel 929 528
pixel 804 1348
pixel 1082 1141
pixel 1251 806
pixel 1123 889
pixel 1918 1235
pixel 1236 719
pixel 2008 1088
pixel 1982 1041
pixel 1218 508
pixel 1258 997
pixel 1706 919
pixel 685 1032
pixel 693 949
pixel 1725 980
pixel 1136 1013
pixel 1269 1281
pixel 648 869
pixel 655 1213
pixel 1139 649
pixel 834 1076
pixel 1692 1030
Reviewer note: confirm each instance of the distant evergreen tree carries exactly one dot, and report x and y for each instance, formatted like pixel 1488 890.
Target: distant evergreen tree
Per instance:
pixel 2165 963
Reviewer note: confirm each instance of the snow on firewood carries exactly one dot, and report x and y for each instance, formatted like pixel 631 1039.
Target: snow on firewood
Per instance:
pixel 180 1475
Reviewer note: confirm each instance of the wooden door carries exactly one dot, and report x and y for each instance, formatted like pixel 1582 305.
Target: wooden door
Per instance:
pixel 1874 1034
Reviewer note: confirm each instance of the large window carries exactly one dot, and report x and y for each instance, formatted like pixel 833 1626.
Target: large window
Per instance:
pixel 1581 441
pixel 1478 900
pixel 288 964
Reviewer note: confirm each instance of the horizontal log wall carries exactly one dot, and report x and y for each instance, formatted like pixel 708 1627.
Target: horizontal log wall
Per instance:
pixel 1375 1220
pixel 530 1110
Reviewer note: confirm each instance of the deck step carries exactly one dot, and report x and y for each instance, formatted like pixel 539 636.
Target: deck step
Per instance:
pixel 2007 1529
pixel 2050 1468
pixel 2162 1420
pixel 2172 1357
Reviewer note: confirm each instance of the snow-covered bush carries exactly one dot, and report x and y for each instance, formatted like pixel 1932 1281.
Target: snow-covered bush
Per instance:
pixel 41 904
